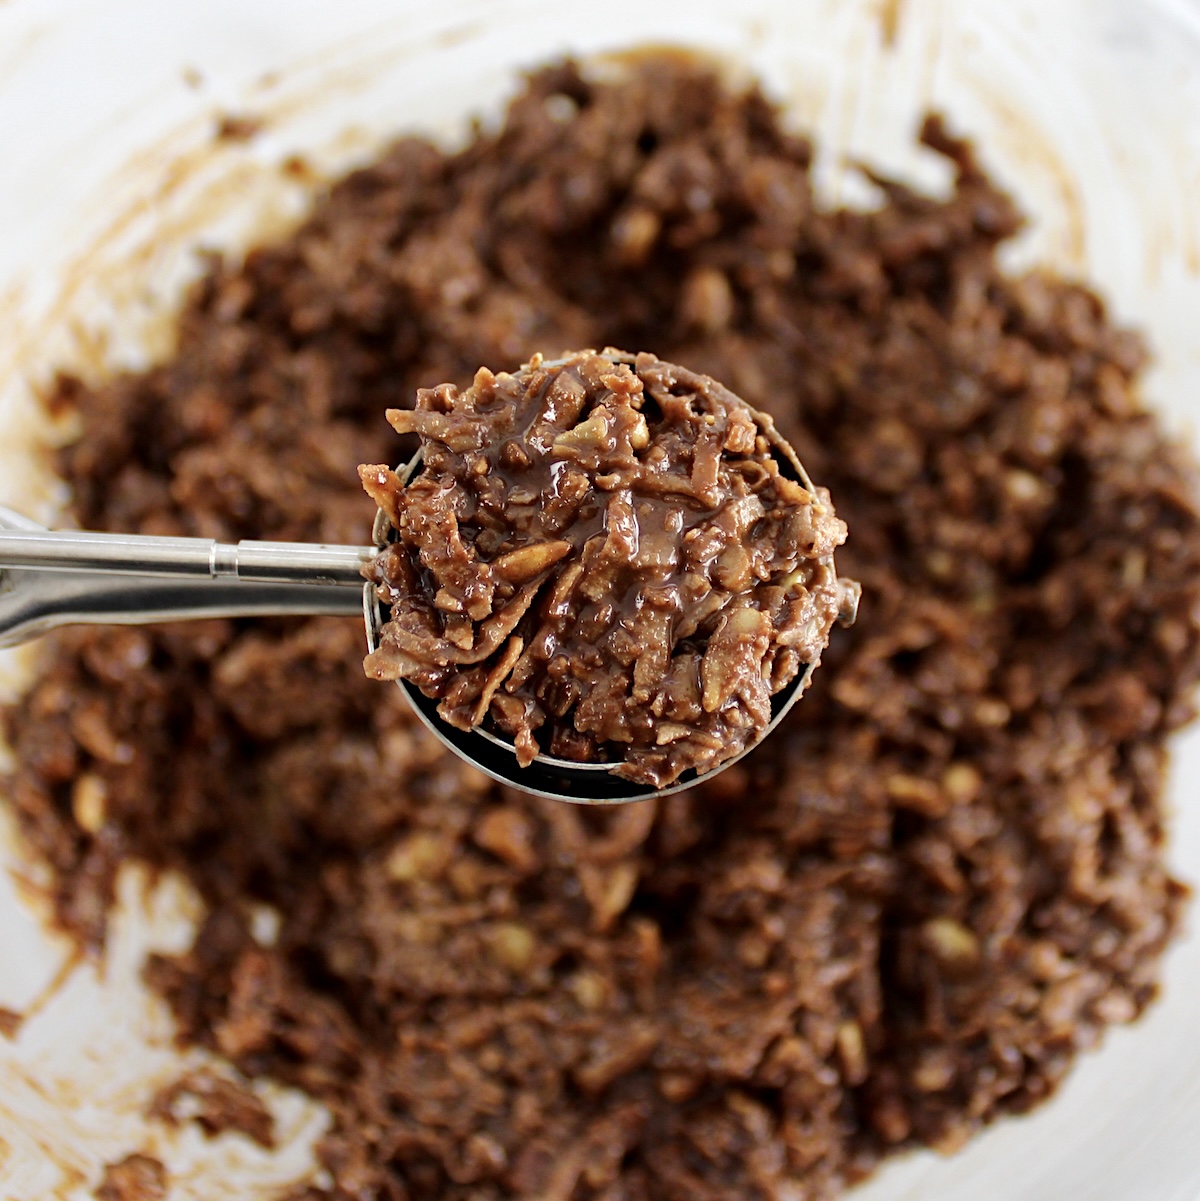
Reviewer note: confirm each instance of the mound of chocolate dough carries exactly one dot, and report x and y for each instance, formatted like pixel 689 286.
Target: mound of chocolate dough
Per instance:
pixel 609 558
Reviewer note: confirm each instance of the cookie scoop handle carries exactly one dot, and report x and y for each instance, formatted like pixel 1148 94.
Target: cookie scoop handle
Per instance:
pixel 51 578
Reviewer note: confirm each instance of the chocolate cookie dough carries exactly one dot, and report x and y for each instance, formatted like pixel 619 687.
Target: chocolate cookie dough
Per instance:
pixel 609 558
pixel 901 917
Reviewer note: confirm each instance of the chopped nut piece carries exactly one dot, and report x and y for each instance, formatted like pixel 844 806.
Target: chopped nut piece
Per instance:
pixel 590 990
pixel 921 796
pixel 507 834
pixel 707 300
pixel 634 233
pixel 512 945
pixel 89 797
pixel 521 565
pixel 961 782
pixel 419 856
pixel 934 1071
pixel 609 890
pixel 852 1051
pixel 953 945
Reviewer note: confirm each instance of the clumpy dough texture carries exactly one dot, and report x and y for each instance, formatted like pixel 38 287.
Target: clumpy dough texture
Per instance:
pixel 899 918
pixel 606 557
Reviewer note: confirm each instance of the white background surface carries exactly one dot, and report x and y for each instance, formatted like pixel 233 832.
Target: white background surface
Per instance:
pixel 1088 109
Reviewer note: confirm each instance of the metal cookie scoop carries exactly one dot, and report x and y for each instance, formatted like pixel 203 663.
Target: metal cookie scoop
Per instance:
pixel 421 653
pixel 54 578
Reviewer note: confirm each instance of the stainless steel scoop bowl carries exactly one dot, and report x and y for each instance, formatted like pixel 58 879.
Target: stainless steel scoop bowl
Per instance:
pixel 565 779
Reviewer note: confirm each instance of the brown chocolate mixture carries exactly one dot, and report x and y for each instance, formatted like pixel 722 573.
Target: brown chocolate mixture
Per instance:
pixel 217 1104
pixel 607 552
pixel 900 917
pixel 10 1023
pixel 135 1178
